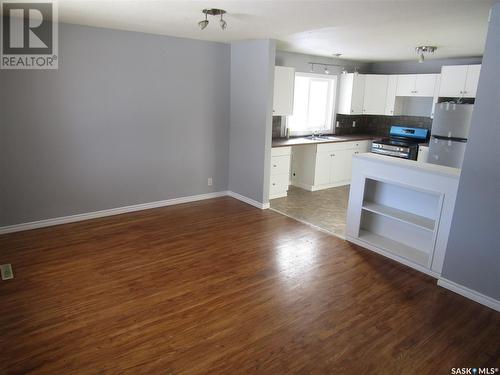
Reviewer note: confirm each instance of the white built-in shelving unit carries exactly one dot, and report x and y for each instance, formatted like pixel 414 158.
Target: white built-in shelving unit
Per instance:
pixel 400 220
pixel 402 209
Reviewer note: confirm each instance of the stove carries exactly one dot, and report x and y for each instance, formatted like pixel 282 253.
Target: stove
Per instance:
pixel 402 142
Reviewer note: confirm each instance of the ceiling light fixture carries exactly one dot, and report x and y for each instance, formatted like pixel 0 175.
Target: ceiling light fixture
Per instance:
pixel 423 51
pixel 213 12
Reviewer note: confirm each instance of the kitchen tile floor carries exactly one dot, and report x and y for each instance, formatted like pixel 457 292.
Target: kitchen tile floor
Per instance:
pixel 326 209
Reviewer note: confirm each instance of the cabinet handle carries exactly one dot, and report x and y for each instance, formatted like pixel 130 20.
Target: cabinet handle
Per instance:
pixel 274 184
pixel 465 92
pixel 274 166
pixel 461 92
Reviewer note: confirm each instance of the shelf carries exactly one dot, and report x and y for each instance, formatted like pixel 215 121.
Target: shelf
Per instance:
pixel 418 256
pixel 403 216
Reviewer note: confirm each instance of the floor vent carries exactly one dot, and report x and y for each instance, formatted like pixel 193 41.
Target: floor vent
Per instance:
pixel 6 270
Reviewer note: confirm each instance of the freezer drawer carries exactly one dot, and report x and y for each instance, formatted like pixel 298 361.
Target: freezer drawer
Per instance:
pixel 446 152
pixel 452 120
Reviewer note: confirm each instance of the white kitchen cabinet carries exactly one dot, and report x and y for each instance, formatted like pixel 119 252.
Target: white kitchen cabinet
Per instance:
pixel 406 84
pixel 459 81
pixel 436 94
pixel 284 82
pixel 416 85
pixel 375 94
pixel 280 172
pixel 390 100
pixel 326 165
pixel 351 94
pixel 472 81
pixel 425 84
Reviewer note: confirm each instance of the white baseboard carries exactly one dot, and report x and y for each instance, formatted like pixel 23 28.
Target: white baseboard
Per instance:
pixel 262 206
pixel 469 293
pixel 110 212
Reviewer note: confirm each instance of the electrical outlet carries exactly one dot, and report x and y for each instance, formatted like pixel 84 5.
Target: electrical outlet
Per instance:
pixel 354 124
pixel 210 181
pixel 6 271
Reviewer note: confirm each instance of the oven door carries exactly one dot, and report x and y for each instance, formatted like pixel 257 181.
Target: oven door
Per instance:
pixel 390 150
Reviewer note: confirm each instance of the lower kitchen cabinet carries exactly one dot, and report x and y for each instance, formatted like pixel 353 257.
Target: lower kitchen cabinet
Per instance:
pixel 280 172
pixel 326 165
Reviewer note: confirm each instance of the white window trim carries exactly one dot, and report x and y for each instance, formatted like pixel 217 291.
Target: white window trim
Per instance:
pixel 331 129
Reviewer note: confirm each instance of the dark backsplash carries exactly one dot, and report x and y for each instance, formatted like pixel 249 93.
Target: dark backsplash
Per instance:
pixel 378 125
pixel 367 124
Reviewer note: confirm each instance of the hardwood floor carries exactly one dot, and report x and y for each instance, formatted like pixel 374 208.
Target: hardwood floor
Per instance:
pixel 218 286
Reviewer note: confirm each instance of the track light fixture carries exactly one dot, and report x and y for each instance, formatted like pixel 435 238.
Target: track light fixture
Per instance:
pixel 325 67
pixel 213 12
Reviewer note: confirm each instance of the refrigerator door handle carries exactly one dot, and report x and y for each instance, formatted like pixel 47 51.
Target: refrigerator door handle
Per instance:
pixel 453 139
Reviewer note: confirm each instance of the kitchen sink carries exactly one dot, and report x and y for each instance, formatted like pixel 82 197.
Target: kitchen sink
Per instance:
pixel 322 138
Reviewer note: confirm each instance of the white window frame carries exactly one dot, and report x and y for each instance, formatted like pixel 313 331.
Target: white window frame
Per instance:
pixel 334 87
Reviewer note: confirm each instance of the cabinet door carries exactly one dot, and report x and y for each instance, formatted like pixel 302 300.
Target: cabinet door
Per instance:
pixel 338 166
pixel 284 81
pixel 406 85
pixel 436 94
pixel 452 80
pixel 322 170
pixel 348 163
pixel 390 99
pixel 375 94
pixel 358 94
pixel 425 84
pixel 472 81
pixel 345 93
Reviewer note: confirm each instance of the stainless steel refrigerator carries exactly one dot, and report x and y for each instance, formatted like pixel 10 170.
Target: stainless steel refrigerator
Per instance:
pixel 450 129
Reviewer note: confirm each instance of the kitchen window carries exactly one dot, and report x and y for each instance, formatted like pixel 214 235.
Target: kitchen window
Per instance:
pixel 313 104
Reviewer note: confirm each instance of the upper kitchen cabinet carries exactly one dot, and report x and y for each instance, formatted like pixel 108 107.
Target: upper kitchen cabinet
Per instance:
pixel 390 100
pixel 284 81
pixel 472 80
pixel 459 81
pixel 351 94
pixel 375 94
pixel 416 85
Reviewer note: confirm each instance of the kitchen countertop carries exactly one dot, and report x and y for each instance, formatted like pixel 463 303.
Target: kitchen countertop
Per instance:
pixel 411 164
pixel 296 141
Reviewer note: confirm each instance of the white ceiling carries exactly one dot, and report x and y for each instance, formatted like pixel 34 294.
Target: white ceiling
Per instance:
pixel 369 30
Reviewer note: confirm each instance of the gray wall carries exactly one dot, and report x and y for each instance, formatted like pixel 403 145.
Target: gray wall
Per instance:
pixel 252 80
pixel 410 67
pixel 473 253
pixel 128 118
